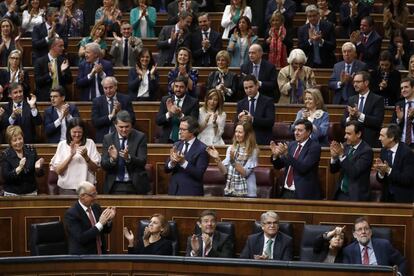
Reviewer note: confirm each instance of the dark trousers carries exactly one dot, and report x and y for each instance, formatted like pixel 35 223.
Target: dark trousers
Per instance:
pixel 123 188
pixel 287 194
pixel 341 196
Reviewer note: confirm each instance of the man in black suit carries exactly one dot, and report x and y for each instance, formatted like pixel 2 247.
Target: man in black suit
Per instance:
pixel 367 250
pixel 22 113
pixel 404 112
pixel 269 244
pixel 87 224
pixel 43 34
pixel 257 109
pixel 264 71
pixel 91 73
pixel 354 161
pixel 205 43
pixel 173 108
pixel 368 43
pixel 341 81
pixel 188 161
pixel 172 37
pixel 105 108
pixel 58 115
pixel 210 243
pixel 124 158
pixel 301 163
pixel 366 108
pixel 395 167
pixel 317 40
pixel 52 70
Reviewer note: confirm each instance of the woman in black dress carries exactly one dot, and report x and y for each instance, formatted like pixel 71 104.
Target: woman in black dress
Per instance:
pixel 327 247
pixel 153 241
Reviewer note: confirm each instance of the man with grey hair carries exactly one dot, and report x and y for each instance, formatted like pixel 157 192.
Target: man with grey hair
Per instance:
pixel 91 73
pixel 317 39
pixel 42 34
pixel 343 74
pixel 105 108
pixel 264 71
pixel 124 158
pixel 269 244
pixel 87 224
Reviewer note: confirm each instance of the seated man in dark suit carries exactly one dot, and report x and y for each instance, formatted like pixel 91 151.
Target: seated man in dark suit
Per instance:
pixel 42 34
pixel 52 70
pixel 372 251
pixel 301 163
pixel 341 81
pixel 87 224
pixel 173 108
pixel 124 158
pixel 188 161
pixel 105 108
pixel 21 112
pixel 258 109
pixel 211 243
pixel 366 108
pixel 404 112
pixel 58 115
pixel 205 43
pixel 368 43
pixel 354 161
pixel 264 71
pixel 173 37
pixel 269 244
pixel 317 39
pixel 91 73
pixel 395 167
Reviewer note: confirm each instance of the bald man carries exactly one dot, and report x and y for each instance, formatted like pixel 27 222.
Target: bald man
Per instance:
pixel 264 71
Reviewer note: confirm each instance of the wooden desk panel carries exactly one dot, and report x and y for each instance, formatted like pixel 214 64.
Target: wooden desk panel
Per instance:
pixel 18 213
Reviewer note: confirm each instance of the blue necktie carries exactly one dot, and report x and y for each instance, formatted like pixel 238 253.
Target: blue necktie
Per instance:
pixel 121 162
pixel 361 104
pixel 251 108
pixel 316 53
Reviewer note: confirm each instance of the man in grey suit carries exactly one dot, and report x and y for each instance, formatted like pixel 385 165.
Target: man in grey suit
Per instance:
pixel 210 243
pixel 269 244
pixel 124 158
pixel 125 49
pixel 172 37
pixel 343 73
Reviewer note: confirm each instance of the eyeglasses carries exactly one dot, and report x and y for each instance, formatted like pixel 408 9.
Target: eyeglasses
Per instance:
pixel 268 223
pixel 182 129
pixel 92 194
pixel 15 58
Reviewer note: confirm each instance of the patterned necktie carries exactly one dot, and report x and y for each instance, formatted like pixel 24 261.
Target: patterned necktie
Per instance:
pixel 361 104
pixel 256 71
pixel 269 247
pixel 365 256
pixel 289 180
pixel 175 121
pixel 316 50
pixel 98 237
pixel 55 80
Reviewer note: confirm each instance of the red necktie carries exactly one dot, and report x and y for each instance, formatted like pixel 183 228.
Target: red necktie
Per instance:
pixel 289 180
pixel 98 237
pixel 365 257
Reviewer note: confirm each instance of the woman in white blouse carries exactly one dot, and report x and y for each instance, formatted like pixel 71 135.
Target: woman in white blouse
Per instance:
pixel 212 118
pixel 232 14
pixel 76 158
pixel 33 16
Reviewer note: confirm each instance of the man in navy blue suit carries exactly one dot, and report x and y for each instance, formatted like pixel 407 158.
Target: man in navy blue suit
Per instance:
pixel 257 109
pixel 300 159
pixel 269 244
pixel 87 224
pixel 317 40
pixel 354 161
pixel 91 72
pixel 395 167
pixel 188 161
pixel 264 71
pixel 105 108
pixel 368 43
pixel 341 81
pixel 58 115
pixel 205 43
pixel 372 251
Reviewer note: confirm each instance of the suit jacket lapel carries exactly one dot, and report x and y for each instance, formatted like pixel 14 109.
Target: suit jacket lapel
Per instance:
pixel 258 248
pixel 277 248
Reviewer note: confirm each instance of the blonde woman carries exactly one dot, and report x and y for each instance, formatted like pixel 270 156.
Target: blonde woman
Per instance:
pixel 241 159
pixel 212 118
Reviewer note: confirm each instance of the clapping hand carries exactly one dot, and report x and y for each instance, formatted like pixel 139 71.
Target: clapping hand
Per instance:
pixel 39 163
pixel 211 150
pixel 124 154
pixel 64 65
pixel 336 149
pixel 32 101
pixel 113 152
